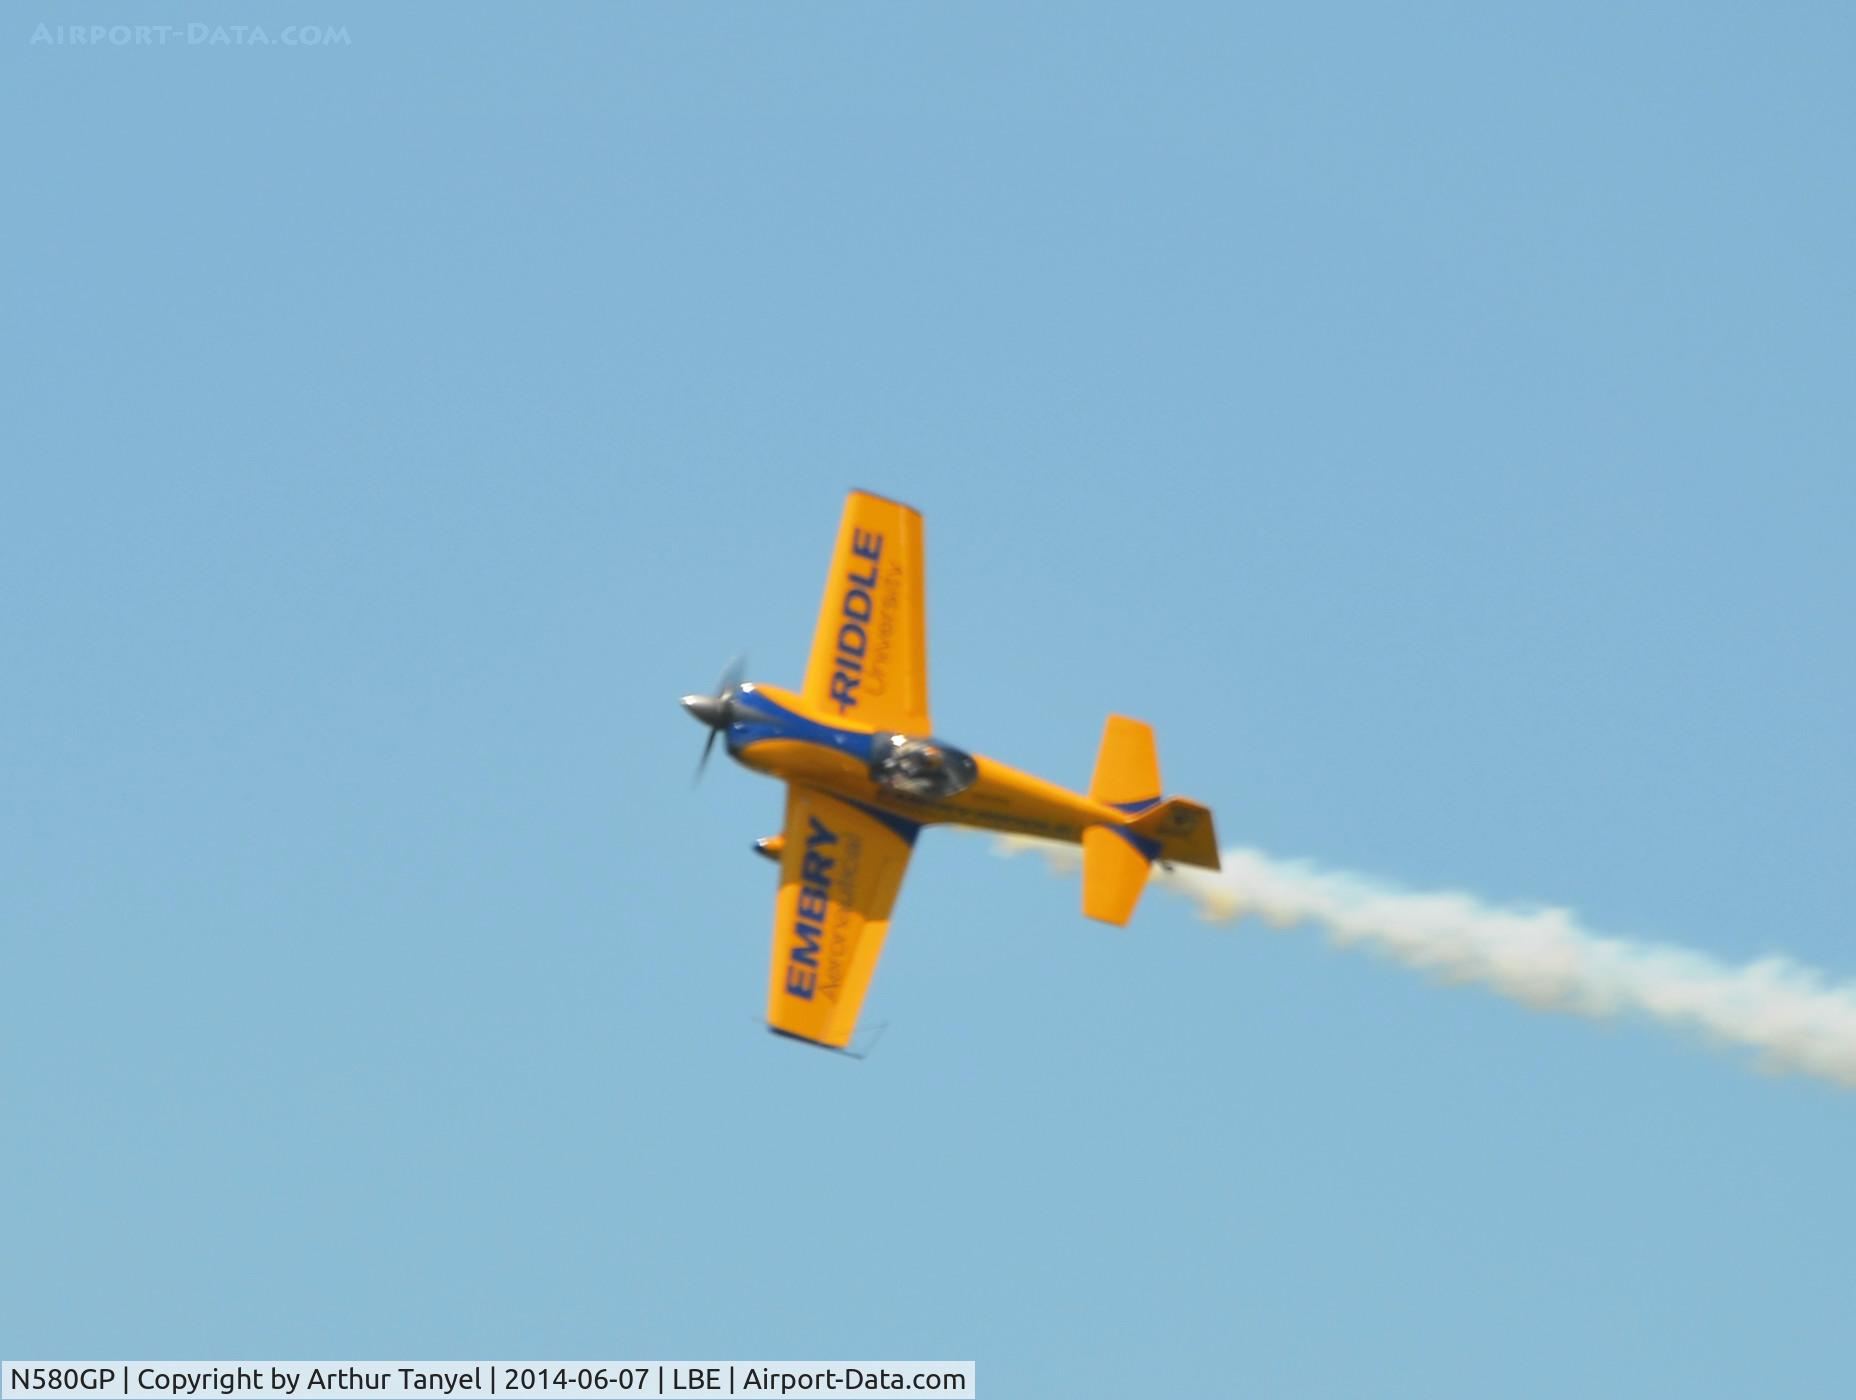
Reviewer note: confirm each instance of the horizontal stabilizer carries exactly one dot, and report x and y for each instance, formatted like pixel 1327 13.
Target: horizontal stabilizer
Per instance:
pixel 1127 764
pixel 1114 874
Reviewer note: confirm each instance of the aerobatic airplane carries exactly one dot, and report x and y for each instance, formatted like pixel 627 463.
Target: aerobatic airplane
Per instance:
pixel 864 776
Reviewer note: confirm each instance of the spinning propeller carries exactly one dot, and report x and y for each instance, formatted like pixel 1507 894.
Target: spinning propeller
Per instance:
pixel 717 710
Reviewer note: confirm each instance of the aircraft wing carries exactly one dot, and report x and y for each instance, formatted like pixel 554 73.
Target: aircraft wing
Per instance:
pixel 839 873
pixel 869 662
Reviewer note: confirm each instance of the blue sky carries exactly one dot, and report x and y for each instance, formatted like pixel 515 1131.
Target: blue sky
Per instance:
pixel 1436 423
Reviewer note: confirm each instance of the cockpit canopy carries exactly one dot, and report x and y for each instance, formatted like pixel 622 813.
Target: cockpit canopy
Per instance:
pixel 920 768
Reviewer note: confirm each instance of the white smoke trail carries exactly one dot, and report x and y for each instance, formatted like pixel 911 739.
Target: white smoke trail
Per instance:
pixel 1540 957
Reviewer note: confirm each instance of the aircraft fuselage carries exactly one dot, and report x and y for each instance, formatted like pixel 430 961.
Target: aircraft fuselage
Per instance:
pixel 776 733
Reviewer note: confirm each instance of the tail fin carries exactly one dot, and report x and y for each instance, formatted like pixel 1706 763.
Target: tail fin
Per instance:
pixel 1183 831
pixel 1116 858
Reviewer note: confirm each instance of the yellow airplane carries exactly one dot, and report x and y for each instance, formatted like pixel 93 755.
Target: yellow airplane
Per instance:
pixel 864 776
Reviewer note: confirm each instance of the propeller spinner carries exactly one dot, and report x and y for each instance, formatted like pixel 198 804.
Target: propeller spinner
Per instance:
pixel 717 710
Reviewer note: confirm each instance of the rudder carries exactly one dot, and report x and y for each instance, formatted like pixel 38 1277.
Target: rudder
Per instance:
pixel 1182 830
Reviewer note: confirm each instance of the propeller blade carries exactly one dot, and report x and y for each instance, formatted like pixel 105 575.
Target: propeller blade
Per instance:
pixel 717 710
pixel 731 677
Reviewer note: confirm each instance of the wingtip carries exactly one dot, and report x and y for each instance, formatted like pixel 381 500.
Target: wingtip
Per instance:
pixel 808 1040
pixel 889 500
pixel 860 1053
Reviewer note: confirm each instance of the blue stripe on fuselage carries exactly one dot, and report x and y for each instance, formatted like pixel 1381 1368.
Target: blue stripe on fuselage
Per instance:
pixel 902 826
pixel 774 721
pixel 771 720
pixel 1148 849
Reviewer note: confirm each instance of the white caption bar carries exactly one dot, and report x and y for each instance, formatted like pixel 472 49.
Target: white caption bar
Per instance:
pixel 475 1380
